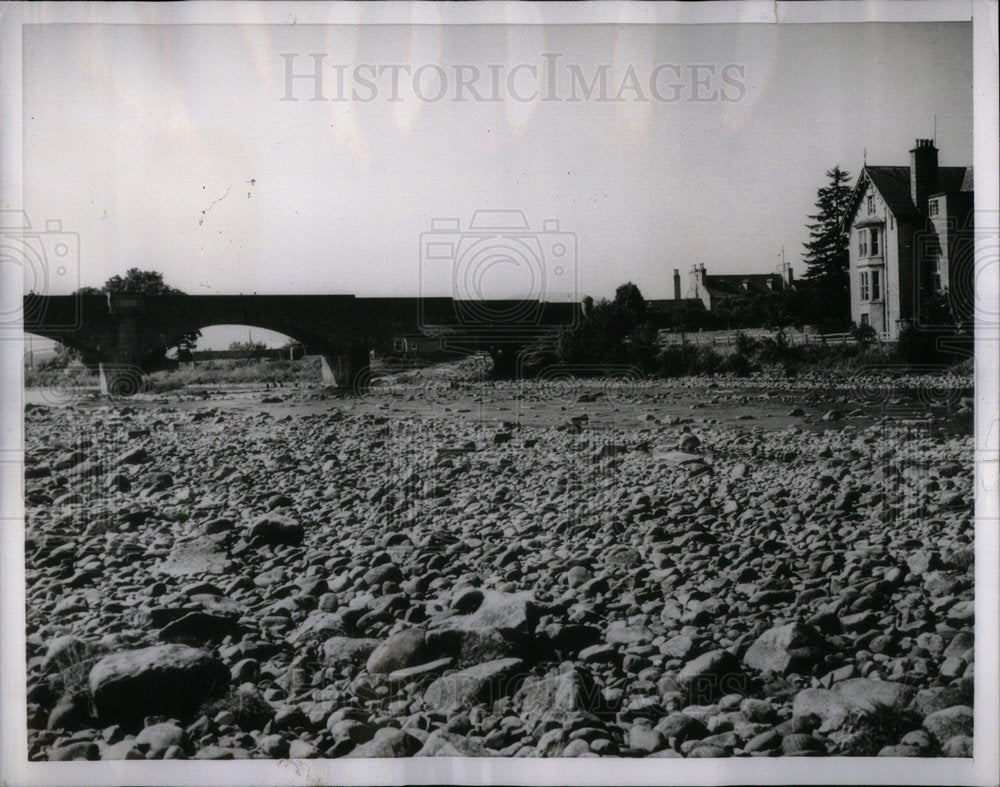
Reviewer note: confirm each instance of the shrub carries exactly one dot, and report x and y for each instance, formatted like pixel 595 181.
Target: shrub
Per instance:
pixel 686 358
pixel 746 345
pixel 775 348
pixel 739 364
pixel 864 335
pixel 917 347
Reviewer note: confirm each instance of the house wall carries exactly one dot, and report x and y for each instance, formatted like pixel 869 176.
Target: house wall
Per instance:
pixel 698 286
pixel 881 311
pixel 941 224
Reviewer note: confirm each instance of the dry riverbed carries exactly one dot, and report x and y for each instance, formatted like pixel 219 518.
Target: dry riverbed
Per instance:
pixel 559 568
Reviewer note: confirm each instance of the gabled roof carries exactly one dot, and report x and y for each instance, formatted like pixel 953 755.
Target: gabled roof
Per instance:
pixel 968 182
pixel 893 184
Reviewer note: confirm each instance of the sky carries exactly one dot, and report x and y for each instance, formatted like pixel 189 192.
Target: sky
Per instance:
pixel 171 148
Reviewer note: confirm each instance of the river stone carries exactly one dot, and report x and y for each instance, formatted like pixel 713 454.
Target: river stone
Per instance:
pixel 348 650
pixel 711 676
pixel 957 746
pixel 275 530
pixel 406 648
pixel 556 694
pixel 875 694
pixel 170 680
pixel 831 707
pixel 946 724
pixel 792 647
pixel 507 613
pixel 389 742
pixel 198 628
pixel 482 683
pixel 160 737
pixel 447 744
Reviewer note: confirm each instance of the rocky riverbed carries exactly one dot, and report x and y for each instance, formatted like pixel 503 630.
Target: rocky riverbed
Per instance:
pixel 685 569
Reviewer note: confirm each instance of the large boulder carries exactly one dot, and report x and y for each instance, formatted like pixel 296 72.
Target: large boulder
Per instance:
pixel 318 627
pixel 510 614
pixel 875 695
pixel 950 722
pixel 405 648
pixel 275 530
pixel 502 626
pixel 483 683
pixel 792 647
pixel 168 680
pixel 556 695
pixel 832 707
pixel 710 676
pixel 340 651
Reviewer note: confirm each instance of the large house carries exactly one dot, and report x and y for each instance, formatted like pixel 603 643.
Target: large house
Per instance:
pixel 909 230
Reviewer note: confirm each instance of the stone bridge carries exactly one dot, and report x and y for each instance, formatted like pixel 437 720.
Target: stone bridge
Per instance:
pixel 124 332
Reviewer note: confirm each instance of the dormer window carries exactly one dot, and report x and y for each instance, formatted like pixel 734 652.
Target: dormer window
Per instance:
pixel 932 207
pixel 871 203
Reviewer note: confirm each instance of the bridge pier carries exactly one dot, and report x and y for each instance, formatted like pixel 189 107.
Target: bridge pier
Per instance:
pixel 120 379
pixel 345 371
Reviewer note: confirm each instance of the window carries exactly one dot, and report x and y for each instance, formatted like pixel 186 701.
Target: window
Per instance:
pixel 864 285
pixel 871 203
pixel 864 319
pixel 876 286
pixel 932 207
pixel 862 244
pixel 874 242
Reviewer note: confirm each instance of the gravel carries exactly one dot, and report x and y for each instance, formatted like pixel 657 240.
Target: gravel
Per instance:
pixel 483 571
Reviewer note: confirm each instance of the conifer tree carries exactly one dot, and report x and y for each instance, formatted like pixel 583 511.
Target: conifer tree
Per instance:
pixel 827 259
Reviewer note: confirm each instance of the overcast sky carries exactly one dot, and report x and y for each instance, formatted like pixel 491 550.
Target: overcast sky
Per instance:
pixel 170 147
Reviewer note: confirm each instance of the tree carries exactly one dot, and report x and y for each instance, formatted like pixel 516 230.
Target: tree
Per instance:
pixel 630 302
pixel 147 283
pixel 827 258
pixel 249 348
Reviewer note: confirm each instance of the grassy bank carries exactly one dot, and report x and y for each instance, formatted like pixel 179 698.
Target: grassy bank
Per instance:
pixel 746 357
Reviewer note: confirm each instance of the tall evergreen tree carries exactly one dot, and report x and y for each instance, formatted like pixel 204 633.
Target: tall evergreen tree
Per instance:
pixel 827 257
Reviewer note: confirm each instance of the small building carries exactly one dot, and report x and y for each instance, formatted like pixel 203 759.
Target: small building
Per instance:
pixel 676 311
pixel 711 289
pixel 417 344
pixel 909 232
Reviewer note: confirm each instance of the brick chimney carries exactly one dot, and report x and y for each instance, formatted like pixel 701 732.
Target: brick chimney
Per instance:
pixel 923 172
pixel 677 284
